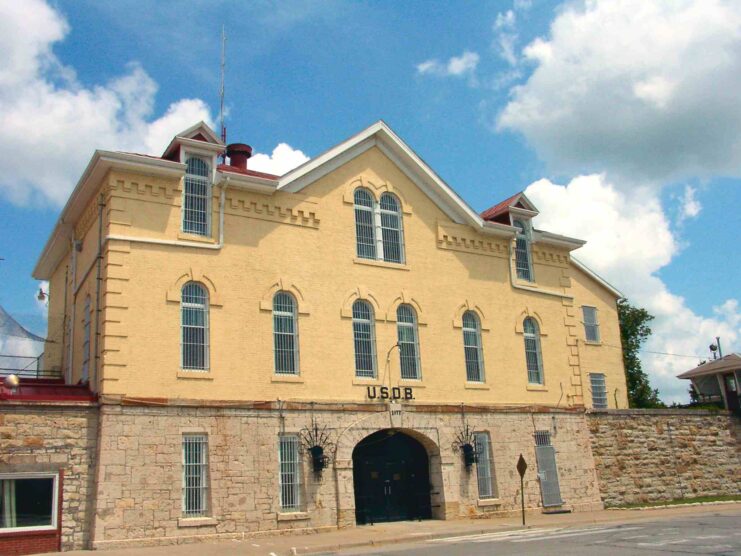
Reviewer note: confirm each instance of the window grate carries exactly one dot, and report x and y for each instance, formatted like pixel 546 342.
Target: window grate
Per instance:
pixel 194 324
pixel 406 321
pixel 378 227
pixel 197 197
pixel 523 263
pixel 290 473
pixel 533 355
pixel 472 347
pixel 591 326
pixel 195 475
pixel 365 228
pixel 543 438
pixel 393 249
pixel 599 390
pixel 285 334
pixel 485 466
pixel 365 341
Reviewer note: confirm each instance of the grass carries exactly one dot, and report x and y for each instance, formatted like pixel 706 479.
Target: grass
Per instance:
pixel 679 502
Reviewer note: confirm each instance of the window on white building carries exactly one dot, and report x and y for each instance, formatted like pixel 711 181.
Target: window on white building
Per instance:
pixel 285 334
pixel 28 501
pixel 523 256
pixel 86 321
pixel 485 466
pixel 290 473
pixel 194 324
pixel 472 347
pixel 533 355
pixel 599 390
pixel 378 227
pixel 195 475
pixel 408 337
pixel 364 339
pixel 197 197
pixel 591 325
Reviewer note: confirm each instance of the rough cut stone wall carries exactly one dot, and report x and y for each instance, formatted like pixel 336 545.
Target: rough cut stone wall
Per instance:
pixel 657 455
pixel 51 438
pixel 140 476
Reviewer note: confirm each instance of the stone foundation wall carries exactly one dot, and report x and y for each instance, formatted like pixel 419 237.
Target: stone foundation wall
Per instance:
pixel 139 496
pixel 53 438
pixel 658 455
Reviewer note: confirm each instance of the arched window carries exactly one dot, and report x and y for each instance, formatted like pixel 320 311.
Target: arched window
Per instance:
pixel 197 197
pixel 86 320
pixel 194 324
pixel 364 338
pixel 523 261
pixel 406 324
pixel 365 225
pixel 391 232
pixel 533 356
pixel 472 347
pixel 285 334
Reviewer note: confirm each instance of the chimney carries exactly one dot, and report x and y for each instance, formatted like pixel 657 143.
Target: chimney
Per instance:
pixel 238 154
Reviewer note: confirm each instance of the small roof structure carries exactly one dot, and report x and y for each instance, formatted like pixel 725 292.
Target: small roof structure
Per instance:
pixel 727 363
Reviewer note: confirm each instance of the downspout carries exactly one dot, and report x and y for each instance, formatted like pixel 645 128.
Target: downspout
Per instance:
pixel 101 206
pixel 72 310
pixel 222 204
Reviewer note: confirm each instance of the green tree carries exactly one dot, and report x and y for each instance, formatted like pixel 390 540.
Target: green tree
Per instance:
pixel 634 331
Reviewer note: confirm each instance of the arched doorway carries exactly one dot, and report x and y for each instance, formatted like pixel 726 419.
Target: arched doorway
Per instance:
pixel 392 478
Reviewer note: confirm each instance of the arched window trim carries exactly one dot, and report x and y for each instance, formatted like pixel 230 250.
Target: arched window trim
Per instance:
pixel 285 342
pixel 194 350
pixel 533 353
pixel 196 209
pixel 408 341
pixel 386 247
pixel 364 339
pixel 523 251
pixel 472 347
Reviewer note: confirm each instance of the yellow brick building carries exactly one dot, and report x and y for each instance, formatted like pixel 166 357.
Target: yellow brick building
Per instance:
pixel 232 322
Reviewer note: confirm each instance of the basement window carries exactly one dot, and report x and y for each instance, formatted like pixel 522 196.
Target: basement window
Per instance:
pixel 28 502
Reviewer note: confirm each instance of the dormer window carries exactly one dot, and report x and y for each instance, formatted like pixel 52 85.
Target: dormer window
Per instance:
pixel 523 258
pixel 197 197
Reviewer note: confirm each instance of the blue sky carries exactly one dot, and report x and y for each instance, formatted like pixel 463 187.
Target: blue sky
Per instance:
pixel 609 114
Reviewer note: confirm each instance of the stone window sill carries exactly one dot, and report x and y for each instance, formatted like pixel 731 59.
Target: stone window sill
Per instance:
pixel 537 388
pixel 366 382
pixel 293 516
pixel 476 386
pixel 297 379
pixel 412 383
pixel 195 375
pixel 185 236
pixel 592 343
pixel 197 522
pixel 383 264
pixel 489 502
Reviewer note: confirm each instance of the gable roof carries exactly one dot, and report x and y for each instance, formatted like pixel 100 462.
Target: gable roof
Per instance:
pixel 200 132
pixel 517 201
pixel 731 362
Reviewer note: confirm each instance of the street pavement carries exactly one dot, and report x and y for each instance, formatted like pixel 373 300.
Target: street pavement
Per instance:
pixel 717 534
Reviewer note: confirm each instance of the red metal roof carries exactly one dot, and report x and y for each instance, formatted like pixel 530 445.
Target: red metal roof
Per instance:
pixel 492 212
pixel 47 391
pixel 247 172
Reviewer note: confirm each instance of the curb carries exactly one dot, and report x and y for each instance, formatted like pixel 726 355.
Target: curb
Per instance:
pixel 668 506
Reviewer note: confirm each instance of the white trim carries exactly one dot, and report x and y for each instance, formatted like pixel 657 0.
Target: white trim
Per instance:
pixel 248 183
pixel 54 503
pixel 596 277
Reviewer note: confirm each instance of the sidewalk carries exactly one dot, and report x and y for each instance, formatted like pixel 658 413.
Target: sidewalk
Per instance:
pixel 407 531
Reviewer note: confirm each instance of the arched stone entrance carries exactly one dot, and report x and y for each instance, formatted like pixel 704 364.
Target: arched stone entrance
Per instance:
pixel 391 476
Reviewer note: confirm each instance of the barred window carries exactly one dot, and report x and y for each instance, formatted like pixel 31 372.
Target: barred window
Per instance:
pixel 365 226
pixel 195 475
pixel 197 197
pixel 406 324
pixel 472 347
pixel 365 340
pixel 532 351
pixel 86 320
pixel 591 326
pixel 485 466
pixel 393 238
pixel 194 324
pixel 523 262
pixel 285 334
pixel 290 473
pixel 599 390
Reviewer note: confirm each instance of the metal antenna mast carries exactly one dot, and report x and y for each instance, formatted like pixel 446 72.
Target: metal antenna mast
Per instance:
pixel 221 90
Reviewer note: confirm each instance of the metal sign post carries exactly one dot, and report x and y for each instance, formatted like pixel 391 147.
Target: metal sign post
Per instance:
pixel 521 468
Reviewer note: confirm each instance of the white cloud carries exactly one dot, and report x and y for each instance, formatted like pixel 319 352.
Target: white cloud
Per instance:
pixel 283 159
pixel 50 123
pixel 643 90
pixel 629 241
pixel 457 66
pixel 690 207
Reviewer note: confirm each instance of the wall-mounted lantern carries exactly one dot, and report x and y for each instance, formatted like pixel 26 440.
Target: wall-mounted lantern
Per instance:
pixel 317 443
pixel 465 442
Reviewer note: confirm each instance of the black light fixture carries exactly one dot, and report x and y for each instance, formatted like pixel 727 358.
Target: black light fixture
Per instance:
pixel 317 443
pixel 465 442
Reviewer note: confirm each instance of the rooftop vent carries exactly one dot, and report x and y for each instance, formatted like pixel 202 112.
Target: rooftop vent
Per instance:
pixel 238 154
